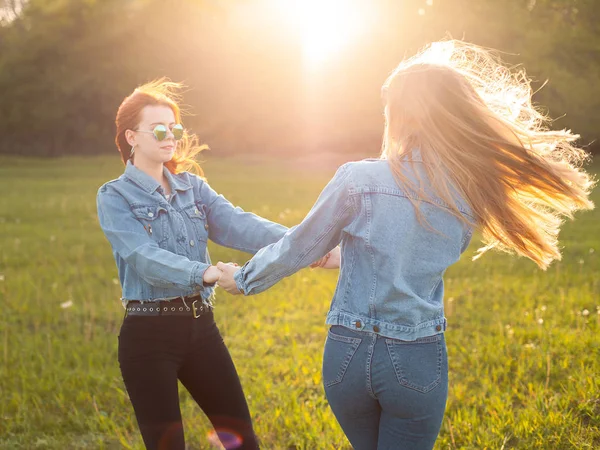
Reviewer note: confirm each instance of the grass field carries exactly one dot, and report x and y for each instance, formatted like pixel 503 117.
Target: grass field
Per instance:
pixel 523 344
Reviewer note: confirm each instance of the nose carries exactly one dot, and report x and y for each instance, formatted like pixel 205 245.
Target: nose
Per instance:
pixel 170 135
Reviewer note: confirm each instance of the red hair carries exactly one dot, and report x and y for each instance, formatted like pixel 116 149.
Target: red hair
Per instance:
pixel 158 92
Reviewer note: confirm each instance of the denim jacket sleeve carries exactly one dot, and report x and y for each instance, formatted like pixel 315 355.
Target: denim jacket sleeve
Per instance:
pixel 157 266
pixel 319 232
pixel 232 227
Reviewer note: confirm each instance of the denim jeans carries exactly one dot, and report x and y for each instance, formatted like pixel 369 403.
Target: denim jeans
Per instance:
pixel 387 394
pixel 156 351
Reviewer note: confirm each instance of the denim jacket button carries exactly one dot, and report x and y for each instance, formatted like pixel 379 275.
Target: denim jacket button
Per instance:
pixel 376 329
pixel 357 324
pixel 150 214
pixel 438 328
pixel 192 243
pixel 206 226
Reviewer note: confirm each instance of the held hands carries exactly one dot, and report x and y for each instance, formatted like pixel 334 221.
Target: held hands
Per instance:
pixel 215 274
pixel 222 273
pixel 226 280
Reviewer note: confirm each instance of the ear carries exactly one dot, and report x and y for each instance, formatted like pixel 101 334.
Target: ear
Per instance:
pixel 130 136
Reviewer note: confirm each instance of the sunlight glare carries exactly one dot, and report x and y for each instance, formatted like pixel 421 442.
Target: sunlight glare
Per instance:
pixel 325 26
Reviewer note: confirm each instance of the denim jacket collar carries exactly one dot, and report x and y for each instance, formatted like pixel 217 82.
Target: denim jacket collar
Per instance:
pixel 149 184
pixel 411 155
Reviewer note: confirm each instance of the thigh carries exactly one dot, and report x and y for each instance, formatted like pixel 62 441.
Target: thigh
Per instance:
pixel 346 366
pixel 150 377
pixel 413 389
pixel 209 374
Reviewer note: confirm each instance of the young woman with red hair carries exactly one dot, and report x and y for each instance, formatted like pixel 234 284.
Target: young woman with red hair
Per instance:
pixel 158 217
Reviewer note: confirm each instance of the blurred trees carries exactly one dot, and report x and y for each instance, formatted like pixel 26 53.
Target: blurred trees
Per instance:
pixel 65 65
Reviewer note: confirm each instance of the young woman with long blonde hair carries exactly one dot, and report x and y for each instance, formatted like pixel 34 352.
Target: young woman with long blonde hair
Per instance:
pixel 463 150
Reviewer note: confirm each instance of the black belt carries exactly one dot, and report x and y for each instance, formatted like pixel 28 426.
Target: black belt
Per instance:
pixel 181 306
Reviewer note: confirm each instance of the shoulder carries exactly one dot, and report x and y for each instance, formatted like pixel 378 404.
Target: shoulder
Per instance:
pixel 189 178
pixel 367 170
pixel 112 186
pixel 357 171
pixel 365 164
pixel 195 186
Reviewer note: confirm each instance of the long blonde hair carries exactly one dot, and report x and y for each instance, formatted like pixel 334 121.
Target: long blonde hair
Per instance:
pixel 158 92
pixel 478 135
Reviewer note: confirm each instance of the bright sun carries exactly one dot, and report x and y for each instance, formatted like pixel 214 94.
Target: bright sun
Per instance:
pixel 325 26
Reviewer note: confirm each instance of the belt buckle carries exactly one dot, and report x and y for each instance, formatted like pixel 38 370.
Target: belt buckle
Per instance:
pixel 194 309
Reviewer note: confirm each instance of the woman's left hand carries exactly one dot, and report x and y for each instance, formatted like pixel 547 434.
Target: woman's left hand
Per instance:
pixel 211 275
pixel 331 260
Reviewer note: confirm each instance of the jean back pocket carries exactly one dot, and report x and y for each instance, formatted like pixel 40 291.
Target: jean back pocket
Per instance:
pixel 338 353
pixel 418 364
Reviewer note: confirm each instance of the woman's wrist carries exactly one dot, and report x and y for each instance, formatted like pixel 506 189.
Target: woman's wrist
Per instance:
pixel 211 276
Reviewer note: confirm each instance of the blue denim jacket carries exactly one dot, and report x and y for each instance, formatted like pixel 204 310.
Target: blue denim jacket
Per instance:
pixel 390 278
pixel 159 244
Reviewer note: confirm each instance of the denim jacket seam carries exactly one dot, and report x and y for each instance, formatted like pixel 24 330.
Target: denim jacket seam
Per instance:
pixel 370 250
pixel 349 278
pixel 139 184
pixel 354 196
pixel 111 193
pixel 400 193
pixel 434 287
pixel 466 237
pixel 387 325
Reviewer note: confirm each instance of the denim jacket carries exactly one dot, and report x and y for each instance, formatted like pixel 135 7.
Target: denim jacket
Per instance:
pixel 159 243
pixel 390 279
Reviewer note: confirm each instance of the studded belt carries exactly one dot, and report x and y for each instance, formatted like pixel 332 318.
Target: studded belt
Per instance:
pixel 193 306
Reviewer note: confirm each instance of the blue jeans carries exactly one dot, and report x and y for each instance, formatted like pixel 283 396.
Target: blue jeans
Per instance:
pixel 386 393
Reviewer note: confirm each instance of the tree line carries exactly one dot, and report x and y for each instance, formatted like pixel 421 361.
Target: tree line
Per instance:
pixel 65 65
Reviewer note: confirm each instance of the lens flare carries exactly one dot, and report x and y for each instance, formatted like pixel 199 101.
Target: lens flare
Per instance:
pixel 226 439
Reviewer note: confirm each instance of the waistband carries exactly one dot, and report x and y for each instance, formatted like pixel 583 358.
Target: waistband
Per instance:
pixel 193 305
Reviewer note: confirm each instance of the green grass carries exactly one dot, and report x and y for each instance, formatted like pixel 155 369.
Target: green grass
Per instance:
pixel 524 355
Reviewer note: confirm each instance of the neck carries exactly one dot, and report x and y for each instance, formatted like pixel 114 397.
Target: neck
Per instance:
pixel 154 169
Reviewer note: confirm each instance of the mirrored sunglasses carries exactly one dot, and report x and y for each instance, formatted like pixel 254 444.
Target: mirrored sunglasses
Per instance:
pixel 160 132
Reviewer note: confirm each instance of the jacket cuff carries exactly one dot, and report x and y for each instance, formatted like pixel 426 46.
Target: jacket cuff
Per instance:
pixel 238 277
pixel 197 279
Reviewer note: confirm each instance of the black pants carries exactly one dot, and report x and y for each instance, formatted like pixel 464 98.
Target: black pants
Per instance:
pixel 154 352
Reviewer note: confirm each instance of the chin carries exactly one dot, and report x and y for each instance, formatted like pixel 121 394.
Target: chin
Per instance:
pixel 166 157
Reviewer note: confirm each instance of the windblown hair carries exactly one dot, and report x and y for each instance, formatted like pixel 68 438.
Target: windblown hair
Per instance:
pixel 479 136
pixel 157 92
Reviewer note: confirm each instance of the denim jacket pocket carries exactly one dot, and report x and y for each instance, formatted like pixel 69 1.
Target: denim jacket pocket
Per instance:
pixel 153 219
pixel 417 364
pixel 339 351
pixel 195 213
